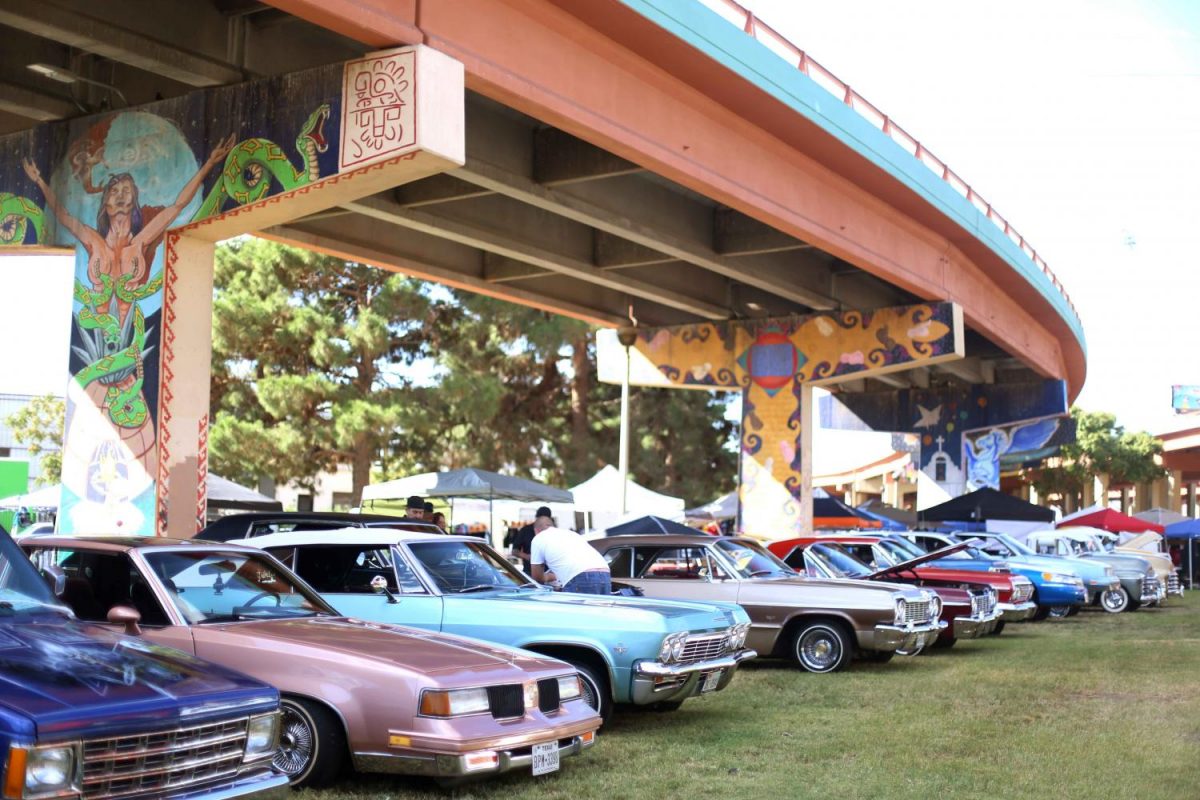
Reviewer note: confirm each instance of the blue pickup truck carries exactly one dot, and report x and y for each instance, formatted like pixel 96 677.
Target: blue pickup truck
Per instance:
pixel 85 713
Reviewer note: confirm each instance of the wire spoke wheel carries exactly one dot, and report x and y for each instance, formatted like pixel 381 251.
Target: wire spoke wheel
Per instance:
pixel 297 743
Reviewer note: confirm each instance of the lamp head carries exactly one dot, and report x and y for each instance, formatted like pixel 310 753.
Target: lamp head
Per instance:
pixel 626 335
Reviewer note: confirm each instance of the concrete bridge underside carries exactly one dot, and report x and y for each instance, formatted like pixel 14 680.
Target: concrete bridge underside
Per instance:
pixel 643 153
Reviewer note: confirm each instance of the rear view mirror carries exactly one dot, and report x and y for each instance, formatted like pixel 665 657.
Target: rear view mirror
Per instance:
pixel 217 567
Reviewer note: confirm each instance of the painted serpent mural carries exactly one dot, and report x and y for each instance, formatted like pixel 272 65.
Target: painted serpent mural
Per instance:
pixel 17 216
pixel 253 163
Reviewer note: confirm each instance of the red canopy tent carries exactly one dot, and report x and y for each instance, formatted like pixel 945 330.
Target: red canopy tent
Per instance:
pixel 1113 521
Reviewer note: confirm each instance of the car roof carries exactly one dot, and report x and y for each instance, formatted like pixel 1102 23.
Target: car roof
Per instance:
pixel 356 536
pixel 122 543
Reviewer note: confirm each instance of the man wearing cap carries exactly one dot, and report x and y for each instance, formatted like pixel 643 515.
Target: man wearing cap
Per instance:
pixel 415 510
pixel 566 556
pixel 523 542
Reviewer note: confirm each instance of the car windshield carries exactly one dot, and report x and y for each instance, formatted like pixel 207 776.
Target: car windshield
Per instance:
pixel 213 586
pixel 840 563
pixel 463 567
pixel 1014 546
pixel 753 560
pixel 904 545
pixel 893 553
pixel 22 590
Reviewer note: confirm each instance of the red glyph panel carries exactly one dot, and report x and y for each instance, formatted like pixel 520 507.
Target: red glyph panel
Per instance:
pixel 379 111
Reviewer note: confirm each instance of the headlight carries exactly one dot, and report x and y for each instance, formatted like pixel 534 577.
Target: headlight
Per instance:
pixel 677 646
pixel 1058 577
pixel 901 610
pixel 261 735
pixel 531 694
pixel 570 687
pixel 672 647
pixel 1109 572
pixel 935 608
pixel 45 771
pixel 743 630
pixel 454 702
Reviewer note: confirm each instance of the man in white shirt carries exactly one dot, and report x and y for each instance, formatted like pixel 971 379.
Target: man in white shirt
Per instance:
pixel 565 556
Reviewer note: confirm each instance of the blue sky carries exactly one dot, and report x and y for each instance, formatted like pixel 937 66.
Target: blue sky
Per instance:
pixel 1079 121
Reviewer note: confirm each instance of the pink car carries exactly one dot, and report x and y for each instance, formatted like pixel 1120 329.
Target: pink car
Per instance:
pixel 384 697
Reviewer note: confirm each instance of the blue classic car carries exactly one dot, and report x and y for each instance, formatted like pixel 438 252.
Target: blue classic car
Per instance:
pixel 87 713
pixel 1058 588
pixel 627 650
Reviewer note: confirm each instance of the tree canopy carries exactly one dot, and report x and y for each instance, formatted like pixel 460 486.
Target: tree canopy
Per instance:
pixel 39 426
pixel 1101 447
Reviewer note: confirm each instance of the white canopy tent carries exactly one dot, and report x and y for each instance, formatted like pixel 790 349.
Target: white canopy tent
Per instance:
pixel 599 498
pixel 44 498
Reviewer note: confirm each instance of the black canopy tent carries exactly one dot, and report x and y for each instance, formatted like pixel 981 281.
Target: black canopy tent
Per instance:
pixel 650 524
pixel 985 504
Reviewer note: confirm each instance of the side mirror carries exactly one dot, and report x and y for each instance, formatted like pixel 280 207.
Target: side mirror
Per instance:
pixel 379 586
pixel 56 579
pixel 127 616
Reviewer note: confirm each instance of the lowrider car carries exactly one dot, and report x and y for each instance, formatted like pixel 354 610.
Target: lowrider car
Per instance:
pixel 819 624
pixel 969 608
pixel 85 712
pixel 627 650
pixel 1146 545
pixel 1139 585
pixel 247 525
pixel 392 699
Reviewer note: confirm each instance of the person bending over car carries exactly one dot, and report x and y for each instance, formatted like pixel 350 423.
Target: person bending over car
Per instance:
pixel 565 556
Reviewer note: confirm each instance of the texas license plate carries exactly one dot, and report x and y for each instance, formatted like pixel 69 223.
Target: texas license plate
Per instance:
pixel 545 758
pixel 710 682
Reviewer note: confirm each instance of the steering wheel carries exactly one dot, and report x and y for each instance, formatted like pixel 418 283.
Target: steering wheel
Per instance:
pixel 260 596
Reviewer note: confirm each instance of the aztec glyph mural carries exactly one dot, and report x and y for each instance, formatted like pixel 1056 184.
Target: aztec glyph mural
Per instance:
pixel 965 431
pixel 774 363
pixel 125 190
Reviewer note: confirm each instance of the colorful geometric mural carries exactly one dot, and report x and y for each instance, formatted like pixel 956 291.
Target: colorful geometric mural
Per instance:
pixel 1185 399
pixel 772 362
pixel 112 186
pixel 942 415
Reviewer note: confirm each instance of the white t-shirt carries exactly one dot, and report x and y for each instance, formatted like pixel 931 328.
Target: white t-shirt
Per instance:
pixel 565 553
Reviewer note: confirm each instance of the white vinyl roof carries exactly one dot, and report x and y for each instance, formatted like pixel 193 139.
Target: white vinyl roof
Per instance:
pixel 357 536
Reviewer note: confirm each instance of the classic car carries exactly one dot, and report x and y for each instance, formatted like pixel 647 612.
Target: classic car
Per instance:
pixel 88 713
pixel 819 624
pixel 1100 542
pixel 1146 545
pixel 1139 585
pixel 969 608
pixel 236 527
pixel 1059 588
pixel 391 699
pixel 627 650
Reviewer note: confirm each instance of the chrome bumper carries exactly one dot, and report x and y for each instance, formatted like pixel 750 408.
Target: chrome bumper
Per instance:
pixel 655 682
pixel 267 785
pixel 1016 612
pixel 454 765
pixel 974 627
pixel 889 638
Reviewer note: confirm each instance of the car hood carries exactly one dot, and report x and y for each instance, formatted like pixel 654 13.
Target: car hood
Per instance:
pixel 877 587
pixel 71 678
pixel 1120 562
pixel 589 611
pixel 997 580
pixel 424 652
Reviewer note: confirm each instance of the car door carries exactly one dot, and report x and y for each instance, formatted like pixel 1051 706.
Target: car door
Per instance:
pixel 679 573
pixel 347 577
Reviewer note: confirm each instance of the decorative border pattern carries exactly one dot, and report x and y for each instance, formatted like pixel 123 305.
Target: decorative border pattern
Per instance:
pixel 165 393
pixel 201 471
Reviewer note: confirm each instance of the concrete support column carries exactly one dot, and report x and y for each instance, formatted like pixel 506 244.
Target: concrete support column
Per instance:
pixel 1191 499
pixel 1125 500
pixel 1171 485
pixel 183 395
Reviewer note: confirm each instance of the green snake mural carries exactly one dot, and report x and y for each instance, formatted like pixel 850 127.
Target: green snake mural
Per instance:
pixel 16 215
pixel 250 166
pixel 114 351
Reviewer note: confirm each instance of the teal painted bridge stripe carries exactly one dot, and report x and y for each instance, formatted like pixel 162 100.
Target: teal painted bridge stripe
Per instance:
pixel 724 42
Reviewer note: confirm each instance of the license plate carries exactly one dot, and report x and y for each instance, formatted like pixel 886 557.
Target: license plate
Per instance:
pixel 710 682
pixel 545 758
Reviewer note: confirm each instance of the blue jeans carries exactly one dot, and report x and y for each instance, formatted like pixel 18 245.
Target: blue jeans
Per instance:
pixel 591 582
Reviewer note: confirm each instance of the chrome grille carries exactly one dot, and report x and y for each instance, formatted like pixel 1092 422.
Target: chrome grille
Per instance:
pixel 1149 584
pixel 702 647
pixel 162 763
pixel 983 604
pixel 916 613
pixel 1022 592
pixel 1173 582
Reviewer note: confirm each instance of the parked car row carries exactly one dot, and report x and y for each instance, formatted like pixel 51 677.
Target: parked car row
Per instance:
pixel 401 650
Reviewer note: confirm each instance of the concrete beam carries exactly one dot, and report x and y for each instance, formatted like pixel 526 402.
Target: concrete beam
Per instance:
pixel 119 44
pixel 32 104
pixel 736 234
pixel 560 158
pixel 615 252
pixel 502 244
pixel 443 188
pixel 971 370
pixel 614 215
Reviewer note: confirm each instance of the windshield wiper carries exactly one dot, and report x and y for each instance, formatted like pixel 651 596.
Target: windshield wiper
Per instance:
pixel 481 587
pixel 760 572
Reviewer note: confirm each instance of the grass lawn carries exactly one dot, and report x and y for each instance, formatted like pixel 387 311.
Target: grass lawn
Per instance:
pixel 1095 706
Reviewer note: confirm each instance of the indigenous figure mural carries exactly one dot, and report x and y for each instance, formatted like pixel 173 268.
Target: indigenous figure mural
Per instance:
pixel 989 451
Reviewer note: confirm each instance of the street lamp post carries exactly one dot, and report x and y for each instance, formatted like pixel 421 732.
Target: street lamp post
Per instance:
pixel 626 336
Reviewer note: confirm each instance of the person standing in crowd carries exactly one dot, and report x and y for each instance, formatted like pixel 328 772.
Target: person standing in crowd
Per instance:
pixel 523 542
pixel 439 519
pixel 415 509
pixel 566 556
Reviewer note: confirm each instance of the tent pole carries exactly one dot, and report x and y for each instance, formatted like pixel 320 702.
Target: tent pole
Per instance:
pixel 623 456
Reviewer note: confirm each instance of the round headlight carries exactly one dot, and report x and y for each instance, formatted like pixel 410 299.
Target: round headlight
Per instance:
pixel 901 609
pixel 677 647
pixel 935 607
pixel 664 652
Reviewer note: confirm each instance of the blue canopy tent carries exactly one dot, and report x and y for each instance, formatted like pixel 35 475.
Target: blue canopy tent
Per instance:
pixel 889 524
pixel 1189 531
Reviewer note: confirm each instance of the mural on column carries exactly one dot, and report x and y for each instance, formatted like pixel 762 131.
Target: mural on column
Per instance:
pixel 770 360
pixel 121 181
pixel 943 415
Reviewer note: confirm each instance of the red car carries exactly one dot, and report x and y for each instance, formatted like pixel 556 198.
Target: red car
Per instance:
pixel 973 599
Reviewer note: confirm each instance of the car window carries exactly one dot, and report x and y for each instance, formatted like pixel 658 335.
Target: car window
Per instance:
pixel 97 582
pixel 463 567
pixel 752 560
pixel 620 562
pixel 352 569
pixel 677 563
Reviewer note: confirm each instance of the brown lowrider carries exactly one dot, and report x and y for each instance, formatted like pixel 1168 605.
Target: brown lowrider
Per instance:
pixel 820 624
pixel 392 699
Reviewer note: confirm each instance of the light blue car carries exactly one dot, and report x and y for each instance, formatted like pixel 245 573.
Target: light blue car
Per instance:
pixel 627 650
